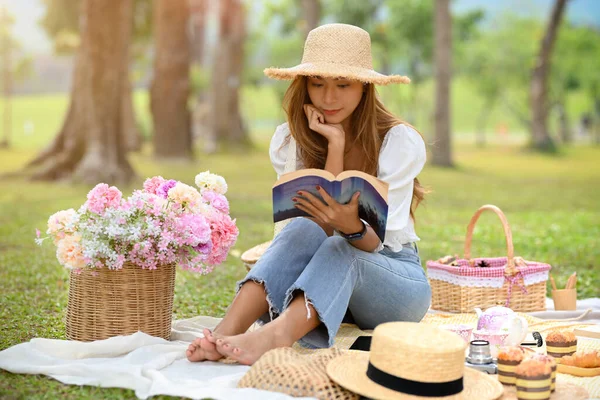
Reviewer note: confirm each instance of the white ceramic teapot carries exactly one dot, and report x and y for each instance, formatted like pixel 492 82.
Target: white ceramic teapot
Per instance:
pixel 499 319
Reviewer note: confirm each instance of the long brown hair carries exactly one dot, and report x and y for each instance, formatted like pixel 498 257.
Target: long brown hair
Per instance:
pixel 370 122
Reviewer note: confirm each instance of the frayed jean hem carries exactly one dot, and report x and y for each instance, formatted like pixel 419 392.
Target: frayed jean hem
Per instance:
pixel 273 311
pixel 313 339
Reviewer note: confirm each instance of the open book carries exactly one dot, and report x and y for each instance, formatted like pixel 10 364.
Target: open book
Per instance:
pixel 372 203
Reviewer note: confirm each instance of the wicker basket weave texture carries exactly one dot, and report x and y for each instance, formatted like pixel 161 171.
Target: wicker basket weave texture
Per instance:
pixel 104 303
pixel 452 297
pixel 459 299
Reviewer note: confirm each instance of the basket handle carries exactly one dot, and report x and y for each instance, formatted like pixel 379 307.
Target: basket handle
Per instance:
pixel 510 266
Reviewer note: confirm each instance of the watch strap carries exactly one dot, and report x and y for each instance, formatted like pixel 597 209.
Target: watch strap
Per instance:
pixel 355 236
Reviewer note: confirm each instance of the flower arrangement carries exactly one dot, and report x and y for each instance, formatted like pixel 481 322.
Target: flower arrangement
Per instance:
pixel 168 222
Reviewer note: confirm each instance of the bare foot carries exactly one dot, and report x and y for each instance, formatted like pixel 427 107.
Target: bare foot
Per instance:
pixel 248 347
pixel 201 349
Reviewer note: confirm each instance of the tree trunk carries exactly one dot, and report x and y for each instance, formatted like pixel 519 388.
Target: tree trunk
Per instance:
pixel 311 11
pixel 227 126
pixel 170 87
pixel 540 138
pixel 198 12
pixel 91 145
pixel 443 58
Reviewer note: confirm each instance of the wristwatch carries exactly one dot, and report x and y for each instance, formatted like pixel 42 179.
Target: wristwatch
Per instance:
pixel 355 236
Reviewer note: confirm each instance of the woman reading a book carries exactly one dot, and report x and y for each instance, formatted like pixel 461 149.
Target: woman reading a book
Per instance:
pixel 331 265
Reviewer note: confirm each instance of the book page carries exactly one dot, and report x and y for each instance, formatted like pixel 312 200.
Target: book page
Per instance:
pixel 380 186
pixel 290 176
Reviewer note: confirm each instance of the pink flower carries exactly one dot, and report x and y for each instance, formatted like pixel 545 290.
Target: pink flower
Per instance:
pixel 151 185
pixel 163 189
pixel 37 233
pixel 217 200
pixel 223 236
pixel 102 197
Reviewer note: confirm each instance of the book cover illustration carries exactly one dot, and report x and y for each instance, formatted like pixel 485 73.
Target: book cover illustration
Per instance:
pixel 372 202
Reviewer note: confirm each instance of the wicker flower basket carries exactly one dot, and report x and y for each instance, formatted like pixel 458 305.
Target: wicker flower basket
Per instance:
pixel 509 281
pixel 104 303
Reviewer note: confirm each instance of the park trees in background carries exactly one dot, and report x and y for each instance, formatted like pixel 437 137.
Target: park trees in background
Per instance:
pixel 62 22
pixel 14 67
pixel 575 68
pixel 226 124
pixel 539 81
pixel 91 145
pixel 442 151
pixel 311 13
pixel 170 88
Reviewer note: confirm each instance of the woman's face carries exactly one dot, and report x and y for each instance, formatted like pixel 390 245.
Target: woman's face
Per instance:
pixel 335 98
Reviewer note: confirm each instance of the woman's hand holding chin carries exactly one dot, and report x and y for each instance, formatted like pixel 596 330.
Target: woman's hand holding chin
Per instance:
pixel 334 133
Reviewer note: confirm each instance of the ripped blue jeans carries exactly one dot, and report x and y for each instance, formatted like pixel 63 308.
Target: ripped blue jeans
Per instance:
pixel 336 277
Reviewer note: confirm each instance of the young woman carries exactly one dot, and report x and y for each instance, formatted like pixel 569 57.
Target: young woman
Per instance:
pixel 322 268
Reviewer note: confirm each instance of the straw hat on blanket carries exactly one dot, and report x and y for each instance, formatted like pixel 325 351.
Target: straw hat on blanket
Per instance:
pixel 408 360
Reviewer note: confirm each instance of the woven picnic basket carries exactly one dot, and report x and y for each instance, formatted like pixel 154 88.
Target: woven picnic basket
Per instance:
pixel 467 283
pixel 104 303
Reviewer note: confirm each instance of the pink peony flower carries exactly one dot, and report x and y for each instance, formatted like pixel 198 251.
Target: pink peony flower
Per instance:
pixel 223 236
pixel 151 185
pixel 102 197
pixel 217 200
pixel 163 189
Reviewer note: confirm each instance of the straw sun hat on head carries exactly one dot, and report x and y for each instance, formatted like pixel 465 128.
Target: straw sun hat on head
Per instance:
pixel 337 51
pixel 408 360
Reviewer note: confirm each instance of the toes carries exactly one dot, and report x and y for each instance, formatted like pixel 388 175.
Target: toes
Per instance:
pixel 223 347
pixel 208 335
pixel 194 355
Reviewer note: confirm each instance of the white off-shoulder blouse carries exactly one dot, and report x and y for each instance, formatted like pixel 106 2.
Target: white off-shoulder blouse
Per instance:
pixel 401 159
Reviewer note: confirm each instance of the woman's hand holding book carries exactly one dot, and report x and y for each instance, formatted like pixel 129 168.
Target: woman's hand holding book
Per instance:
pixel 341 217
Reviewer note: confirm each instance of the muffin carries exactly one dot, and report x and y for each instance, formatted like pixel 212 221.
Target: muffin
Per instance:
pixel 550 361
pixel 508 359
pixel 560 344
pixel 533 379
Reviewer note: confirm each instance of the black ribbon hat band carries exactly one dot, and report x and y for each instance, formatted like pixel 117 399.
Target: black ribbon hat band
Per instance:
pixel 424 389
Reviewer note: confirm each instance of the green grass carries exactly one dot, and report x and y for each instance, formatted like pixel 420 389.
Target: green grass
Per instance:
pixel 551 203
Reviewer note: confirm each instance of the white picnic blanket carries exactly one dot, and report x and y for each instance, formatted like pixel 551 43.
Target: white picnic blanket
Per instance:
pixel 582 305
pixel 152 366
pixel 148 365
